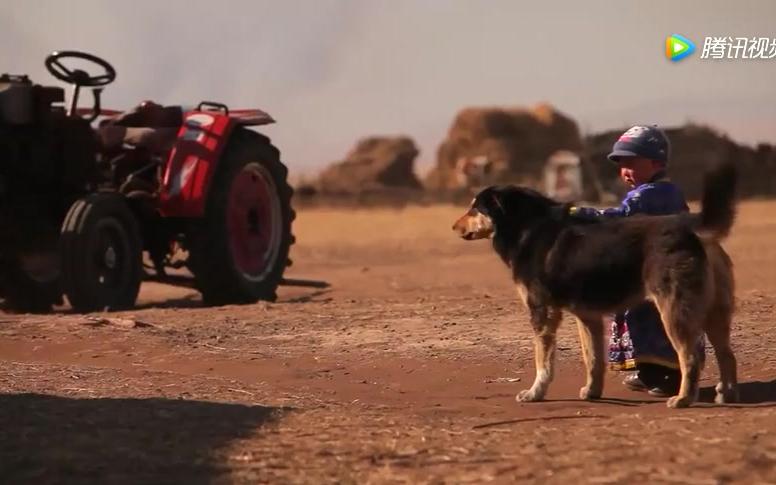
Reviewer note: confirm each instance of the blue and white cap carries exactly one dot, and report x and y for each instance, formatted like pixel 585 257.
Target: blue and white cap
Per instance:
pixel 641 141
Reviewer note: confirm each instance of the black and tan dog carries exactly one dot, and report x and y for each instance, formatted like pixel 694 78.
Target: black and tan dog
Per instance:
pixel 590 269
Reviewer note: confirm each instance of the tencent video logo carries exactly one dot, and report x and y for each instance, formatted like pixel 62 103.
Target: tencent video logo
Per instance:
pixel 678 47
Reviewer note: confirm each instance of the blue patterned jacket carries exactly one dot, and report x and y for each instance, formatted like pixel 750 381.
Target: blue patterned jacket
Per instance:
pixel 658 197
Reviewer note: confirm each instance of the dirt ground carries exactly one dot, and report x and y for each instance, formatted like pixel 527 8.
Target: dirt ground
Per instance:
pixel 404 371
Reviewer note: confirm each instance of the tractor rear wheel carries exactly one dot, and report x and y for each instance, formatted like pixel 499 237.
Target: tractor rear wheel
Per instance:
pixel 101 254
pixel 239 250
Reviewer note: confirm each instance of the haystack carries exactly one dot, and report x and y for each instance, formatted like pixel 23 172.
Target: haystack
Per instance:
pixel 515 141
pixel 376 163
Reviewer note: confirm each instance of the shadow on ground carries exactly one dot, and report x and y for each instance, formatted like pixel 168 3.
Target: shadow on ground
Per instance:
pixel 754 392
pixel 46 439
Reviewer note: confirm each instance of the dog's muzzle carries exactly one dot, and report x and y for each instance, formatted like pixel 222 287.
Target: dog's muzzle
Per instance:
pixel 474 225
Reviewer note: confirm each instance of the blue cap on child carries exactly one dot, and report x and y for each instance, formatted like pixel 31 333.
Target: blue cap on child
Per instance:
pixel 641 141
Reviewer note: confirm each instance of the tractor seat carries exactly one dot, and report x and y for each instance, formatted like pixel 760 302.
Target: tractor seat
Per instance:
pixel 148 125
pixel 156 140
pixel 150 115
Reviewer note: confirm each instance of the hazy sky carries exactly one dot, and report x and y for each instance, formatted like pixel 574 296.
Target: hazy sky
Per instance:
pixel 332 71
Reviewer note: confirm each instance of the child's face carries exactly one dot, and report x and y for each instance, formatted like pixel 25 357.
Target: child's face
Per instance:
pixel 635 171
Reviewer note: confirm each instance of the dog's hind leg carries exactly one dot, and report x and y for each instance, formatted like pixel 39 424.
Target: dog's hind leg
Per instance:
pixel 545 323
pixel 683 330
pixel 718 324
pixel 591 337
pixel 718 331
pixel 727 388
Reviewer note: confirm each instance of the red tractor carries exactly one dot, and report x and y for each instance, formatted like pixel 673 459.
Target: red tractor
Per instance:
pixel 81 204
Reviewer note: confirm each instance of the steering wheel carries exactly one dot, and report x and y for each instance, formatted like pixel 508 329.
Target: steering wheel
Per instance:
pixel 77 76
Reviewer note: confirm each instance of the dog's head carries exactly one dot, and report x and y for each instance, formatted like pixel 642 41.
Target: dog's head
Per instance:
pixel 501 208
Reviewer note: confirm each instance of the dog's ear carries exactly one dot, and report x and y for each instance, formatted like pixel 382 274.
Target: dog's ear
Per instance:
pixel 488 201
pixel 496 199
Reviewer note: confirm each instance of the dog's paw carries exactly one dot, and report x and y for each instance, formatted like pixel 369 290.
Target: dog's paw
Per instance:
pixel 726 395
pixel 587 394
pixel 528 395
pixel 678 402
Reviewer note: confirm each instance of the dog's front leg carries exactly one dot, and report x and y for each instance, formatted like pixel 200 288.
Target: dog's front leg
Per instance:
pixel 591 337
pixel 545 323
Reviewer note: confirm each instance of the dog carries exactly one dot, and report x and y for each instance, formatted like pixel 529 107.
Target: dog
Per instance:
pixel 593 268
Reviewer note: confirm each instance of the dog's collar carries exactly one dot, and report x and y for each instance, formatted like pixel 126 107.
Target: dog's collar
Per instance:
pixel 560 212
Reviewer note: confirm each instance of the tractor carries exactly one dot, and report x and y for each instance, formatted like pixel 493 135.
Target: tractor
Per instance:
pixel 94 201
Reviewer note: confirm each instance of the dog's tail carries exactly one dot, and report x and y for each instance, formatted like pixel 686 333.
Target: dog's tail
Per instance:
pixel 718 206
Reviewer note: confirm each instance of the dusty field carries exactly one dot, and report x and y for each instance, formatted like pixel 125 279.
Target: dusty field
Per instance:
pixel 404 371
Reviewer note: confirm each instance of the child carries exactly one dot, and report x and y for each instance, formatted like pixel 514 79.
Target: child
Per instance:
pixel 638 341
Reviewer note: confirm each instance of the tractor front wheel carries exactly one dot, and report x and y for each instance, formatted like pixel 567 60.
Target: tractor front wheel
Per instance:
pixel 101 254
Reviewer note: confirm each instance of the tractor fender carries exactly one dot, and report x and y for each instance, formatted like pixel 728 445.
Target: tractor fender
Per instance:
pixel 194 158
